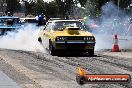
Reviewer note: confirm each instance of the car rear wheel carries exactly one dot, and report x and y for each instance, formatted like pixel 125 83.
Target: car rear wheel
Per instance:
pixel 51 49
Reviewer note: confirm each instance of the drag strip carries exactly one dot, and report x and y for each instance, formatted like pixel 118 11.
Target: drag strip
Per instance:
pixel 45 71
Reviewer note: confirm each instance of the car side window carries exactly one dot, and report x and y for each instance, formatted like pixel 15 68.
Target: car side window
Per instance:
pixel 48 26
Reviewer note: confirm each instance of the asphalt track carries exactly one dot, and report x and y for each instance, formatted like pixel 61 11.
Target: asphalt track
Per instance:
pixel 40 70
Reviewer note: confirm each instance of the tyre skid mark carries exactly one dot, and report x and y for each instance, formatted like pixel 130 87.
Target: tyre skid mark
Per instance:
pixel 123 85
pixel 126 67
pixel 74 62
pixel 49 61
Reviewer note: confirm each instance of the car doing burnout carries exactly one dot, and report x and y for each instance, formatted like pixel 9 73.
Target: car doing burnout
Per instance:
pixel 67 35
pixel 9 23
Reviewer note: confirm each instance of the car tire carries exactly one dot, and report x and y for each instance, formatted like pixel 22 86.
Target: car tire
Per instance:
pixel 91 52
pixel 40 40
pixel 51 49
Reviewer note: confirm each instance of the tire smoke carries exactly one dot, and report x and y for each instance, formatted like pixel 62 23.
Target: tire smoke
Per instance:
pixel 112 21
pixel 23 39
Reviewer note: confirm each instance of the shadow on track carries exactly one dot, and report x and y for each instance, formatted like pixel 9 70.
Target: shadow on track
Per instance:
pixel 75 55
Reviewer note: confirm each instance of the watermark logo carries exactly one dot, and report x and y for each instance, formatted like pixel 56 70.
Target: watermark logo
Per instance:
pixel 82 77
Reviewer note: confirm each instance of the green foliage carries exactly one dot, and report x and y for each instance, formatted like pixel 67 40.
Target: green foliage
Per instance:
pixel 62 8
pixel 30 8
pixel 90 8
pixel 94 6
pixel 12 6
pixel 35 8
pixel 52 9
pixel 82 2
pixel 123 3
pixel 40 6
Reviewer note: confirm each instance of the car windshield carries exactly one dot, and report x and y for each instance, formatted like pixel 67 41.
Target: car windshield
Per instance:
pixel 15 20
pixel 63 24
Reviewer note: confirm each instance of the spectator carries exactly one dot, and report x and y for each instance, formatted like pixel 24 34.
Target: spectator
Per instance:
pixel 41 20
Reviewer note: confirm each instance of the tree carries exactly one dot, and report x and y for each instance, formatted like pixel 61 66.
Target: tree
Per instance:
pixel 52 9
pixel 35 8
pixel 122 3
pixel 64 6
pixel 29 6
pixel 12 6
pixel 82 2
pixel 40 7
pixel 90 8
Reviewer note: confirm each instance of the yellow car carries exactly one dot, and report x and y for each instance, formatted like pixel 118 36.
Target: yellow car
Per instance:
pixel 66 35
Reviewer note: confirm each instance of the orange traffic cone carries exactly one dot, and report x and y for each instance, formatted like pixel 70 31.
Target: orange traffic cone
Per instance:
pixel 115 47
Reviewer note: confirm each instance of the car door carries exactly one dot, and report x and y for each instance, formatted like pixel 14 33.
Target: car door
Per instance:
pixel 46 34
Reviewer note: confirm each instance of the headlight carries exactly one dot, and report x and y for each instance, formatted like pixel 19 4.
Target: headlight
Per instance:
pixel 86 38
pixel 60 38
pixel 92 38
pixel 89 38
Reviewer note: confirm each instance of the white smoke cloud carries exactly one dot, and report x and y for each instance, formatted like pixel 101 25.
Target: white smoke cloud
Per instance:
pixel 24 39
pixel 112 21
